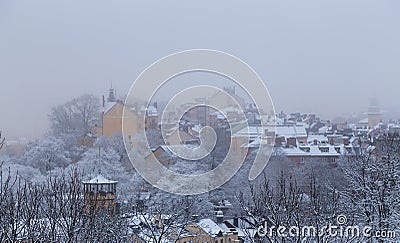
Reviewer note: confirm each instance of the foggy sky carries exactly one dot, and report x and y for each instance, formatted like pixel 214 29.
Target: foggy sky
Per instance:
pixel 327 57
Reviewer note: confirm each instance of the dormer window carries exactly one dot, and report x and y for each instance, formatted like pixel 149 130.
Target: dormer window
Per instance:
pixel 305 148
pixel 324 149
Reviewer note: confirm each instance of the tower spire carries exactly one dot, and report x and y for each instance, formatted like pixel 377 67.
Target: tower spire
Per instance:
pixel 111 94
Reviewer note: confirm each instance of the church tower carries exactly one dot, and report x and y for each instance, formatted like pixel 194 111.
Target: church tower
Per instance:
pixel 374 114
pixel 111 95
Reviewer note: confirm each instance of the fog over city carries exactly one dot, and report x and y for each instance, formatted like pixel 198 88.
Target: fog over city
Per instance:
pixel 324 57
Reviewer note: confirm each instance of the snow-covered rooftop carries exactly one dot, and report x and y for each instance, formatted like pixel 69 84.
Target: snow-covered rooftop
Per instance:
pixel 291 131
pixel 319 150
pixel 363 121
pixel 212 228
pixel 100 179
pixel 194 151
pixel 152 111
pixel 197 128
pixel 108 106
pixel 226 110
pixel 251 132
pixel 318 137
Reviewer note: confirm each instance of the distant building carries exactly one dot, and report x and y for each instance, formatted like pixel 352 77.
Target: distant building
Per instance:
pixel 100 193
pixel 112 115
pixel 394 129
pixel 151 118
pixel 177 136
pixel 207 230
pixel 165 156
pixel 374 115
pixel 161 154
pixel 322 152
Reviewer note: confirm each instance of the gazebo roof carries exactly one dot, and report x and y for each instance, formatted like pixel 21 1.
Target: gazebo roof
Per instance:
pixel 100 179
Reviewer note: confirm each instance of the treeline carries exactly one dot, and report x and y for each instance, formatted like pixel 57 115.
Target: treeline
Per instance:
pixel 53 211
pixel 355 192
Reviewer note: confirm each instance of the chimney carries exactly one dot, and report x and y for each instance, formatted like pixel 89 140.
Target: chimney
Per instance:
pixel 315 141
pixel 331 142
pixel 236 221
pixel 278 141
pixel 291 142
pixel 220 217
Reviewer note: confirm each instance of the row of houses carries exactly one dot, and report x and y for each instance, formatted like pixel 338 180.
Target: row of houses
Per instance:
pixel 217 229
pixel 297 136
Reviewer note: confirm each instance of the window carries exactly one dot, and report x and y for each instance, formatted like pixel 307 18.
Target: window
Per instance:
pixel 324 149
pixel 305 149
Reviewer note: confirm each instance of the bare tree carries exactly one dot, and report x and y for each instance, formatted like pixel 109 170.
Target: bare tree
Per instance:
pixel 163 219
pixel 105 226
pixel 54 211
pixel 373 191
pixel 6 205
pixel 19 208
pixel 63 206
pixel 2 139
pixel 76 116
pixel 31 212
pixel 285 203
pixel 270 205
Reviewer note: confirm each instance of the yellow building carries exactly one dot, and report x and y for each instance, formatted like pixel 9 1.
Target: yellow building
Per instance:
pixel 206 230
pixel 112 120
pixel 113 113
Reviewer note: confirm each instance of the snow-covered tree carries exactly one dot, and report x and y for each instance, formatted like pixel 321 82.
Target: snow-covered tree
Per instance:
pixel 53 211
pixel 117 143
pixel 163 218
pixel 73 148
pixel 24 172
pixel 286 203
pixel 2 139
pixel 105 227
pixel 77 117
pixel 47 154
pixel 374 185
pixel 104 159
